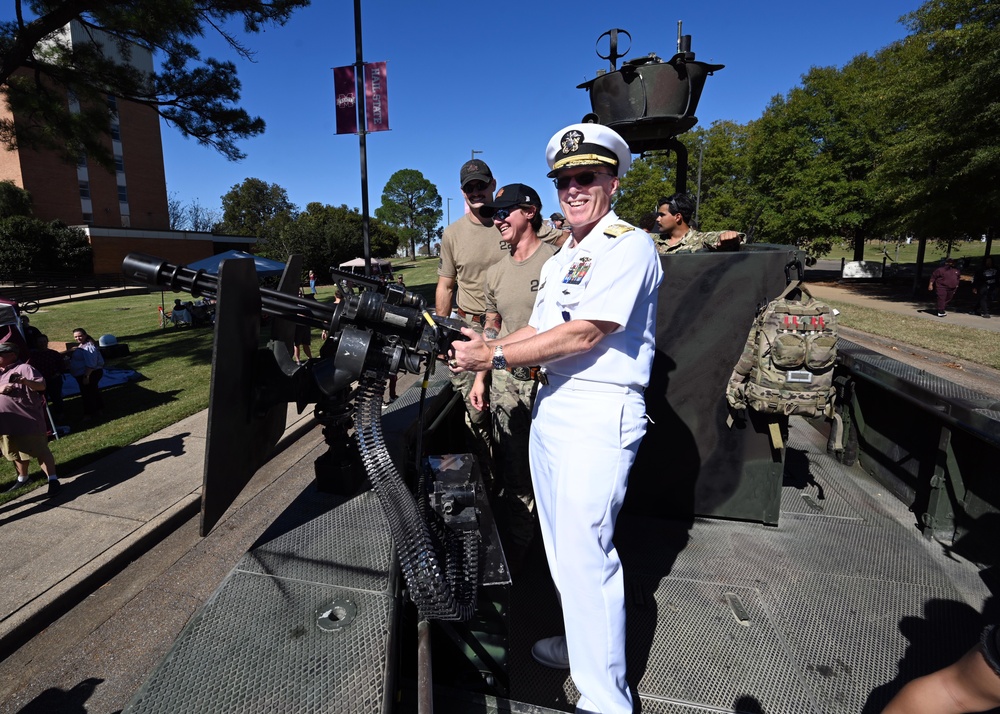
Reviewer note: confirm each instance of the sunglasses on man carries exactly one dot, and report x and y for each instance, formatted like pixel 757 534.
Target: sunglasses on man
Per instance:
pixel 584 178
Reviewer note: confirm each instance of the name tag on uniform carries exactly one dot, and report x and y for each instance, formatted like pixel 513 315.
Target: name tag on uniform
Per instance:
pixel 577 271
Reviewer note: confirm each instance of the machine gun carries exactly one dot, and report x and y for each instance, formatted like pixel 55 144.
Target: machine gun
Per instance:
pixel 380 331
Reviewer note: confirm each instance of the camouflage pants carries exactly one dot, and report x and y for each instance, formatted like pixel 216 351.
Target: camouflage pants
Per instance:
pixel 510 404
pixel 478 421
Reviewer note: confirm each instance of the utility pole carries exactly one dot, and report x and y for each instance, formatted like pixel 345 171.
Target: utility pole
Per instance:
pixel 362 127
pixel 474 152
pixel 697 202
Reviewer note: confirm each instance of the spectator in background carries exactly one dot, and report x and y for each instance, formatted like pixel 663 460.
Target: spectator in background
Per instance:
pixel 31 333
pixel 23 426
pixel 52 365
pixel 312 282
pixel 984 285
pixel 944 283
pixel 677 236
pixel 303 335
pixel 86 364
pixel 648 222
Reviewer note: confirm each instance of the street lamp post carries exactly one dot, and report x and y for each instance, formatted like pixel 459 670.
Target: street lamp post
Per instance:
pixel 474 152
pixel 449 210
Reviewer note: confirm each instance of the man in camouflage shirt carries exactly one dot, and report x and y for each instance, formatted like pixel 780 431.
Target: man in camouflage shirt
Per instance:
pixel 677 236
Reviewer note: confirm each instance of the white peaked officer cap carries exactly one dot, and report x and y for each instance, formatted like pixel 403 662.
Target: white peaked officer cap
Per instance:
pixel 587 145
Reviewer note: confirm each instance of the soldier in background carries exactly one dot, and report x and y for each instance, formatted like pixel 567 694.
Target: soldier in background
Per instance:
pixel 677 236
pixel 511 287
pixel 556 231
pixel 469 246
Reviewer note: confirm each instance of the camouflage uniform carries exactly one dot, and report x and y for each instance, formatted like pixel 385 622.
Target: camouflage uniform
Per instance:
pixel 692 242
pixel 511 400
pixel 511 288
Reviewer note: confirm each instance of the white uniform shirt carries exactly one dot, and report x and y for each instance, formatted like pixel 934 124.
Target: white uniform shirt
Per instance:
pixel 609 278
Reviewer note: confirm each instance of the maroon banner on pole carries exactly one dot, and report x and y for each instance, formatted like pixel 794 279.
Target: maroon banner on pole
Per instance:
pixel 345 87
pixel 376 97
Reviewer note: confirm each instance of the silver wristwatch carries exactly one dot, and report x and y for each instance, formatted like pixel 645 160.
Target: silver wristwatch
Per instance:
pixel 499 362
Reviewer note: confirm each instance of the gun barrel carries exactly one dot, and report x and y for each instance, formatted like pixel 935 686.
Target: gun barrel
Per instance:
pixel 153 271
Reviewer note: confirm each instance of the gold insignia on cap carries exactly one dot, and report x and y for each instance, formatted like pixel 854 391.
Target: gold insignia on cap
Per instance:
pixel 570 141
pixel 499 193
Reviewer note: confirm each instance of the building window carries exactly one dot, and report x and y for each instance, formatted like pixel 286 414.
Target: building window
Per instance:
pixel 88 218
pixel 123 194
pixel 81 159
pixel 84 189
pixel 119 163
pixel 116 132
pixel 113 103
pixel 126 222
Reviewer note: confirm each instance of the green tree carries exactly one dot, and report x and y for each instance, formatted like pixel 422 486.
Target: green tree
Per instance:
pixel 411 204
pixel 199 96
pixel 327 236
pixel 811 155
pixel 29 245
pixel 941 174
pixel 256 208
pixel 14 200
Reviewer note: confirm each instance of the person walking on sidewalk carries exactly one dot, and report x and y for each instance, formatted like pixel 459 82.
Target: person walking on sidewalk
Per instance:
pixel 944 283
pixel 984 285
pixel 22 418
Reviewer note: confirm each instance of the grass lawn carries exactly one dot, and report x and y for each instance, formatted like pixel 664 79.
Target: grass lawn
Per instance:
pixel 971 251
pixel 977 346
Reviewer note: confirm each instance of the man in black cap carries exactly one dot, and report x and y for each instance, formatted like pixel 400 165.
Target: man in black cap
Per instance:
pixel 592 330
pixel 469 246
pixel 561 232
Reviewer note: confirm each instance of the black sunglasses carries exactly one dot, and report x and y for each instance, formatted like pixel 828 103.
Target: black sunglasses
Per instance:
pixel 584 178
pixel 474 186
pixel 671 211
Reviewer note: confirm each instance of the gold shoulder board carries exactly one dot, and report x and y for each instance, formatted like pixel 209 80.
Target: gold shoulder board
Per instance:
pixel 618 229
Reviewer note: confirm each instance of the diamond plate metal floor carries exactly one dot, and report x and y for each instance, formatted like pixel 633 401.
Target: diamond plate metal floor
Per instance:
pixel 303 624
pixel 831 611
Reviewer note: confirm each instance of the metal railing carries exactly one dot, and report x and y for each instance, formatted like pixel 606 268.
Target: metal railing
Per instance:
pixel 48 286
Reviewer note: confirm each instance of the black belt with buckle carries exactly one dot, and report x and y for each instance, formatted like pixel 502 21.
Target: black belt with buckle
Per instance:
pixel 526 374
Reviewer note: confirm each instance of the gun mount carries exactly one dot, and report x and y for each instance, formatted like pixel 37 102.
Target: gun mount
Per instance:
pixel 649 101
pixel 369 336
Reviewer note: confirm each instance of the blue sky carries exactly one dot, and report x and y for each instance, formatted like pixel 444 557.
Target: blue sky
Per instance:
pixel 496 78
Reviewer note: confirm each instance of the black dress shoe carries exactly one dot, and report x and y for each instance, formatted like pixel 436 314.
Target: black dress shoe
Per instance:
pixel 17 484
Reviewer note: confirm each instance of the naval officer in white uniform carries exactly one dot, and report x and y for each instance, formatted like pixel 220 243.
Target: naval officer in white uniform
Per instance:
pixel 592 329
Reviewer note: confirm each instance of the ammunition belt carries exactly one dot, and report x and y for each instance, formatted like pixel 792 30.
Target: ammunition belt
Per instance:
pixel 440 565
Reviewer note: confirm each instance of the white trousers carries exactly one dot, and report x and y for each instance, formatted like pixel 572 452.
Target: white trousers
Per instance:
pixel 583 442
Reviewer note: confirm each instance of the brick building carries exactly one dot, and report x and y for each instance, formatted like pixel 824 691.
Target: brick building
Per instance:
pixel 115 206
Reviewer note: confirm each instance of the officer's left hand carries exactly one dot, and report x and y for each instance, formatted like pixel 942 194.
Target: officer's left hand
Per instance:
pixel 471 356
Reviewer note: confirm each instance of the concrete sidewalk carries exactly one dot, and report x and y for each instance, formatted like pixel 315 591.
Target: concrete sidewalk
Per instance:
pixel 902 306
pixel 54 552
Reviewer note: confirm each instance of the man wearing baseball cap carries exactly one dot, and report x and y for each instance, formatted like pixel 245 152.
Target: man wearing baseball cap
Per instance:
pixel 511 286
pixel 468 247
pixel 592 330
pixel 22 418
